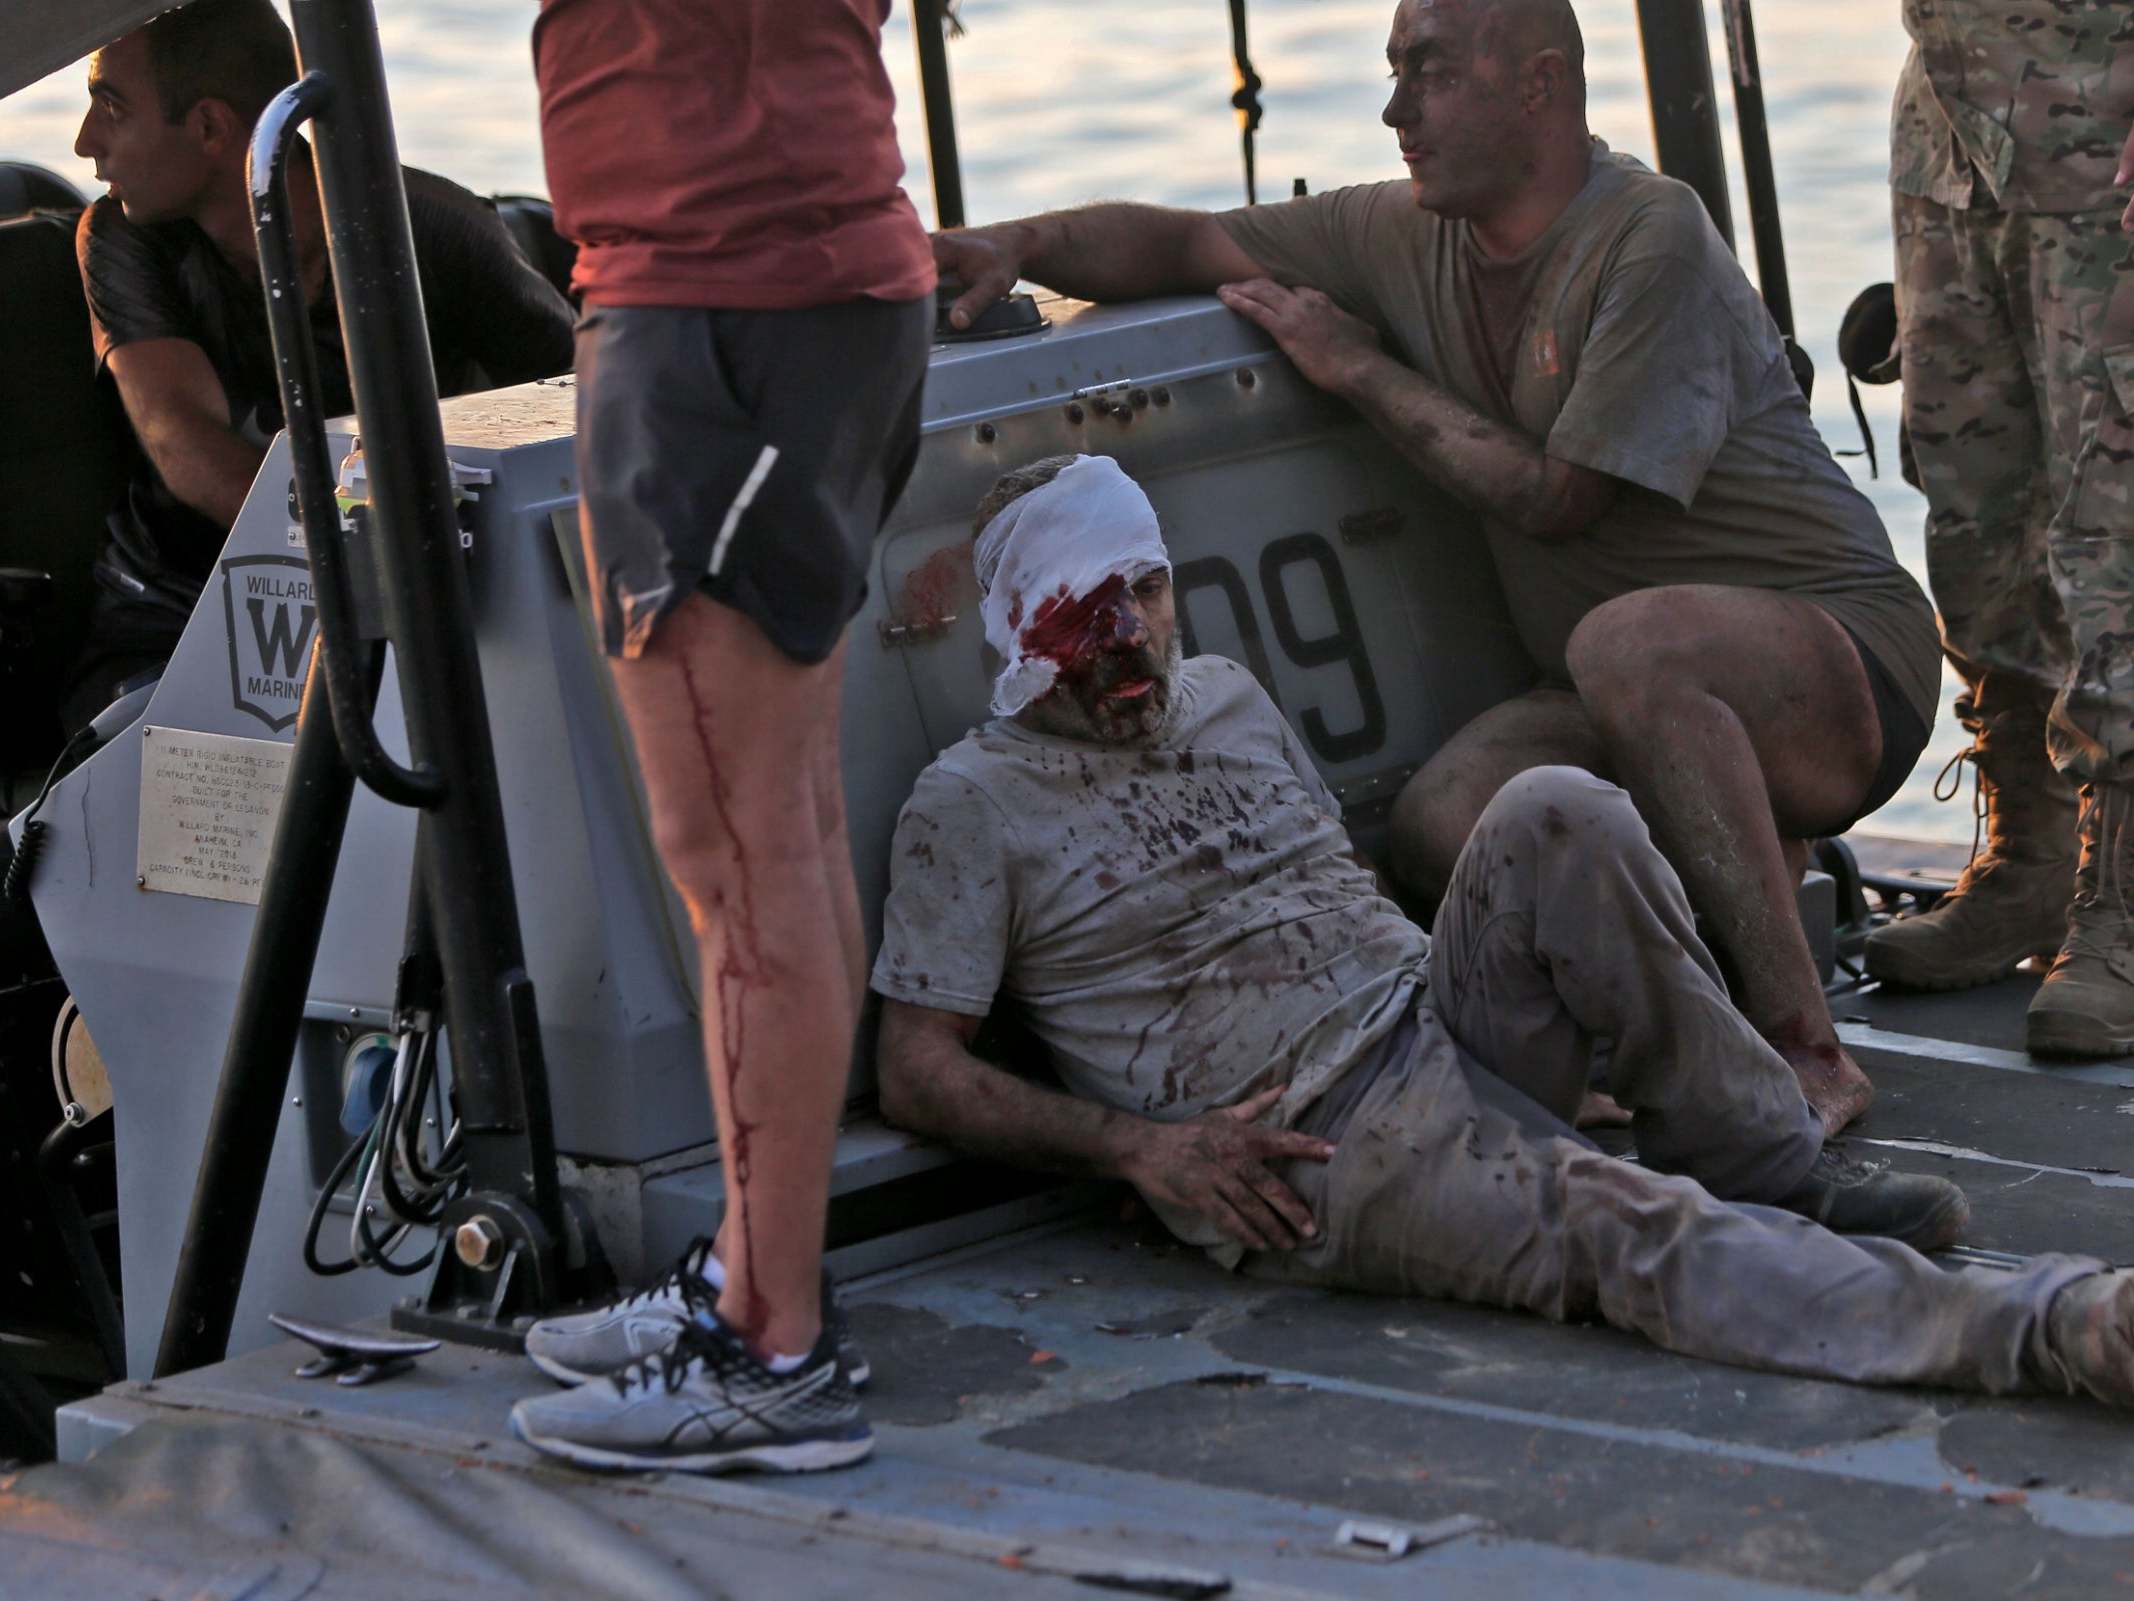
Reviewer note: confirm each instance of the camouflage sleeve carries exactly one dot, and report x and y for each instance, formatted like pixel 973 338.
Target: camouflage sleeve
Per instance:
pixel 2021 102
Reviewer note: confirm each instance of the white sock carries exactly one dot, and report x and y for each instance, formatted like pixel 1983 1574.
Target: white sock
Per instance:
pixel 713 1273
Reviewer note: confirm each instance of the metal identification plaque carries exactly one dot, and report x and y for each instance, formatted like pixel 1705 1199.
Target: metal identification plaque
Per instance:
pixel 209 803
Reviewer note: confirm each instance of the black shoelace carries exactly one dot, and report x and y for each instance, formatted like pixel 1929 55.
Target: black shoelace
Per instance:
pixel 718 1350
pixel 686 1278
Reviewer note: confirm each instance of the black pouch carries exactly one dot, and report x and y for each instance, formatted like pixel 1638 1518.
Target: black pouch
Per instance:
pixel 1867 349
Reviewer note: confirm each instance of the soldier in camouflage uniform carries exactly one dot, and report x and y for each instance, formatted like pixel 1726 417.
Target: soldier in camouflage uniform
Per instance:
pixel 2017 341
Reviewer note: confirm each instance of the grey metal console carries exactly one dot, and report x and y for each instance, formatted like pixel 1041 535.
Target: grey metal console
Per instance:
pixel 1303 547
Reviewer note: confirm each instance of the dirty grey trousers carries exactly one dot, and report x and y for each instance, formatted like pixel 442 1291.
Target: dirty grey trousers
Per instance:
pixel 1456 1173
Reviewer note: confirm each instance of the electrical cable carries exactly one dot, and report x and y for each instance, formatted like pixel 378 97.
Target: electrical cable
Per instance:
pixel 396 1190
pixel 312 1260
pixel 16 886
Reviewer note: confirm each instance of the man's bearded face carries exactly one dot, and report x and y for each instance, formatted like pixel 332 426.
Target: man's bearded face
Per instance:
pixel 1118 653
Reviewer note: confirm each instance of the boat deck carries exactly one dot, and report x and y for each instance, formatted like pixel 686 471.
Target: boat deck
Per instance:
pixel 1089 1404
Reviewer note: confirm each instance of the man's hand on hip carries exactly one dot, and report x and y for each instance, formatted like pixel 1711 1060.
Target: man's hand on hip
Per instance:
pixel 1327 345
pixel 1215 1166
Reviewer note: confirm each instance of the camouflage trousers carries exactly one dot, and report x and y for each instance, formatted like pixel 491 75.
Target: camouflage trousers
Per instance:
pixel 2017 337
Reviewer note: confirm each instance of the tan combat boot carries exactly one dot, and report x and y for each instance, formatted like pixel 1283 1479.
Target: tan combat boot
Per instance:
pixel 2085 1007
pixel 2011 901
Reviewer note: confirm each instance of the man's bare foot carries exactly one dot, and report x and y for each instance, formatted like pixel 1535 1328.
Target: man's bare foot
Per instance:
pixel 1831 1080
pixel 1599 1109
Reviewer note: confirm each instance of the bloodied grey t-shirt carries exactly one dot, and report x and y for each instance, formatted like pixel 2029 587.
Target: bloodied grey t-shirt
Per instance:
pixel 1626 339
pixel 1183 923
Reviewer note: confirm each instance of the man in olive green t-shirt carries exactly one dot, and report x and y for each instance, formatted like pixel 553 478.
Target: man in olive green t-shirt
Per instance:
pixel 1558 337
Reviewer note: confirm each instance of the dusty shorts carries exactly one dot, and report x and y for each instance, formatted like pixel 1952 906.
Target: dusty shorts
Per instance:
pixel 1904 732
pixel 751 454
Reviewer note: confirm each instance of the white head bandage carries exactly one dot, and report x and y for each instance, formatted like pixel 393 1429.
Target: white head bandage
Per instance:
pixel 1053 547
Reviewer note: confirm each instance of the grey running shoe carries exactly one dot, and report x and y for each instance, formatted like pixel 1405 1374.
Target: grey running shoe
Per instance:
pixel 591 1345
pixel 705 1405
pixel 1852 1196
pixel 2090 1329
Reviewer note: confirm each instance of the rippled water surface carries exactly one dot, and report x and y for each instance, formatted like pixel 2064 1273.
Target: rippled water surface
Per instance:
pixel 1060 101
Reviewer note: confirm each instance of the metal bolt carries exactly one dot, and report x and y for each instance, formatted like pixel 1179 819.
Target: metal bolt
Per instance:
pixel 355 1011
pixel 1163 396
pixel 296 1100
pixel 1246 378
pixel 409 1303
pixel 1140 399
pixel 479 1242
pixel 1074 415
pixel 987 433
pixel 141 882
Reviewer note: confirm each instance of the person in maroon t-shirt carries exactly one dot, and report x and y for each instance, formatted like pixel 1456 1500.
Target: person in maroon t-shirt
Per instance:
pixel 758 306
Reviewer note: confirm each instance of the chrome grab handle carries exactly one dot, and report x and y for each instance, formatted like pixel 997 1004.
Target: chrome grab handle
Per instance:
pixel 296 364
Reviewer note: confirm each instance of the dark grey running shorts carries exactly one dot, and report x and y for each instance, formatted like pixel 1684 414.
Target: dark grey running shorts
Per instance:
pixel 750 454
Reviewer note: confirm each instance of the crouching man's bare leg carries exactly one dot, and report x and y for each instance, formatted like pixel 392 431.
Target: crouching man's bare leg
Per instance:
pixel 1435 813
pixel 736 801
pixel 1736 718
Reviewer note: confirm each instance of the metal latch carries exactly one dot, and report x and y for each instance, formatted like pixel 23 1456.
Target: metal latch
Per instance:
pixel 897 636
pixel 1369 527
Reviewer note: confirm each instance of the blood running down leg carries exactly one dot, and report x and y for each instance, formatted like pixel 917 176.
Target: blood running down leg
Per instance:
pixel 712 706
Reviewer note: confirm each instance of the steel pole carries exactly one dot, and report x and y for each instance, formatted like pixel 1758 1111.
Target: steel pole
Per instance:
pixel 929 26
pixel 1685 109
pixel 263 1033
pixel 1758 176
pixel 499 1075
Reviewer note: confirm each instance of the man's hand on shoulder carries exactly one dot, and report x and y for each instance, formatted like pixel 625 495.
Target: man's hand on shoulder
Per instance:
pixel 1215 1167
pixel 1327 345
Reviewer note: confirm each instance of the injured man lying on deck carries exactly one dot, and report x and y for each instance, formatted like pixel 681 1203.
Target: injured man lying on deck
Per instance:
pixel 1136 860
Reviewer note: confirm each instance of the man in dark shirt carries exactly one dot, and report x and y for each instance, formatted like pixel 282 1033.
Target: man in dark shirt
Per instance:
pixel 172 277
